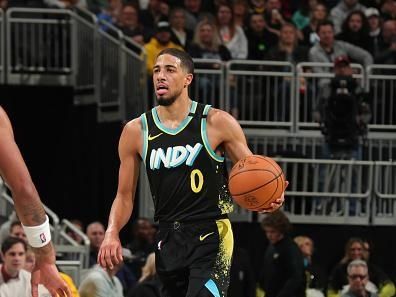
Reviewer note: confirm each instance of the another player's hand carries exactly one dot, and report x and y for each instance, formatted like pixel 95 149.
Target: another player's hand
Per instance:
pixel 46 273
pixel 110 252
pixel 277 204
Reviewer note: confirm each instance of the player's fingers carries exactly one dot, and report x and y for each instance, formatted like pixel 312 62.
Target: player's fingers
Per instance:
pixel 35 279
pixel 119 254
pixel 107 259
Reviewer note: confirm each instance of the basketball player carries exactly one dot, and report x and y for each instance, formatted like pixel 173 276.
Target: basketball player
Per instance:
pixel 30 211
pixel 181 143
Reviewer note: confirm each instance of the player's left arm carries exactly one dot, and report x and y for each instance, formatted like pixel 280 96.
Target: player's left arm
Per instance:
pixel 224 130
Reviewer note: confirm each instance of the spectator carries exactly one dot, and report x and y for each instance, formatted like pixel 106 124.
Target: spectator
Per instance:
pixel 328 49
pixel 152 15
pixel 338 278
pixel 273 15
pixel 73 235
pixel 310 37
pixel 16 230
pixel 388 10
pixel 5 227
pixel 97 6
pixel 339 13
pixel 194 13
pixel 180 35
pixel 358 280
pixel 242 279
pixel 355 30
pixel 257 6
pixel 374 22
pixel 260 37
pixel 14 281
pixel 301 17
pixel 95 232
pixel 282 272
pixel 3 4
pixel 207 44
pixel 149 284
pixel 387 47
pixel 316 281
pixel 130 26
pixel 66 3
pixel 160 41
pixel 112 13
pixel 101 283
pixel 231 35
pixel 241 10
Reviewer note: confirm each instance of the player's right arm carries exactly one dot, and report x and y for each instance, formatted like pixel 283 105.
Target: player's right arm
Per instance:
pixel 129 148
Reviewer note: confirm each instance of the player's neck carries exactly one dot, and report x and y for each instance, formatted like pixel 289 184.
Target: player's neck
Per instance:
pixel 176 112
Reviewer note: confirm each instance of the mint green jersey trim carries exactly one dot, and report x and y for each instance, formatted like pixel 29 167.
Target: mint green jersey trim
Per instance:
pixel 145 136
pixel 182 125
pixel 205 139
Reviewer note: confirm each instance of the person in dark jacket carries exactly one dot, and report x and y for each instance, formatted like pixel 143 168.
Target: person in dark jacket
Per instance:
pixel 282 271
pixel 242 279
pixel 149 284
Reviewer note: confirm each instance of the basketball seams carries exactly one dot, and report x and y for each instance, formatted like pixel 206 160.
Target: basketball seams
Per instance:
pixel 257 208
pixel 252 190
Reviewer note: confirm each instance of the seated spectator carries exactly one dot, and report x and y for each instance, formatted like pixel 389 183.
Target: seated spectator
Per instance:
pixel 149 284
pixel 73 235
pixel 14 280
pixel 161 40
pixel 95 232
pixel 100 283
pixel 5 227
pixel 141 245
pixel 339 275
pixel 242 279
pixel 282 271
pixel 339 13
pixel 374 22
pixel 260 37
pixel 273 15
pixel 241 10
pixel 388 10
pixel 287 48
pixel 301 17
pixel 387 47
pixel 152 15
pixel 358 280
pixel 194 13
pixel 112 13
pixel 328 49
pixel 206 43
pixel 257 6
pixel 316 282
pixel 16 230
pixel 310 37
pixel 355 30
pixel 231 35
pixel 130 26
pixel 180 35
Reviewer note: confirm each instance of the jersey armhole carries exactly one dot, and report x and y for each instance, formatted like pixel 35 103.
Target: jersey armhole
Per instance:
pixel 204 135
pixel 144 136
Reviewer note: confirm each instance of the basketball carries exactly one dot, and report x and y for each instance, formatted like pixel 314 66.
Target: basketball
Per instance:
pixel 255 182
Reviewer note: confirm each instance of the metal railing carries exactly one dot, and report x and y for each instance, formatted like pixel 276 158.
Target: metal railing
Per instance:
pixel 261 92
pixel 9 202
pixel 39 46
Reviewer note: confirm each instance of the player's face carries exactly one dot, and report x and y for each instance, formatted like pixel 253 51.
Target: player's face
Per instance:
pixel 14 259
pixel 273 235
pixel 169 79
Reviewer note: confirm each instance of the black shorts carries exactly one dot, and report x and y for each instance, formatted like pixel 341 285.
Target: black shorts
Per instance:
pixel 192 255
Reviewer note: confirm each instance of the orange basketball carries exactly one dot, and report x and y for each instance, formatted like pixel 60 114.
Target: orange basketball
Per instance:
pixel 255 182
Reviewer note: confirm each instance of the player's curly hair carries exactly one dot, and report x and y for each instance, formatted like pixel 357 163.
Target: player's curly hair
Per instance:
pixel 277 220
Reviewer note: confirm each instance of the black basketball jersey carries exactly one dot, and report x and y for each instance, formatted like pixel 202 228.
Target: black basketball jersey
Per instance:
pixel 186 176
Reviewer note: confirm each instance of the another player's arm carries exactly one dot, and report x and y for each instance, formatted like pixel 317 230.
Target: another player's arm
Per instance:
pixel 110 252
pixel 224 130
pixel 29 208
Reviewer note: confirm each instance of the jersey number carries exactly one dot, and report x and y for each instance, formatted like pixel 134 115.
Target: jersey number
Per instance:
pixel 194 187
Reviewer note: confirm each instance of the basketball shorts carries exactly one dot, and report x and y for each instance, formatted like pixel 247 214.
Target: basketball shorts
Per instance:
pixel 194 255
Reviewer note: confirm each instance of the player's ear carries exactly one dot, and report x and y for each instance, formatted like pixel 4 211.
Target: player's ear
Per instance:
pixel 188 79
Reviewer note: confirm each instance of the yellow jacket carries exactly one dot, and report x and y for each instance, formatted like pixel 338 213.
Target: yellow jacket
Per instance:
pixel 70 283
pixel 153 48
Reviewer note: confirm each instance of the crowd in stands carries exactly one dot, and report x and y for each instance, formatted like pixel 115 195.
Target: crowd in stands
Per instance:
pixel 285 268
pixel 294 31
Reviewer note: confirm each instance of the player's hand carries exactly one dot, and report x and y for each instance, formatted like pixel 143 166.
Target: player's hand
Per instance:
pixel 110 252
pixel 46 273
pixel 277 204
